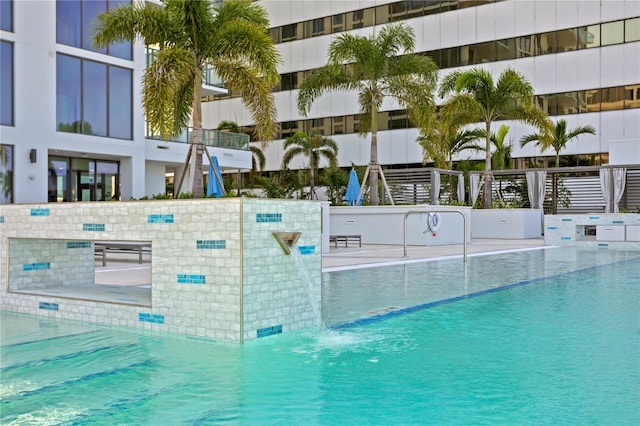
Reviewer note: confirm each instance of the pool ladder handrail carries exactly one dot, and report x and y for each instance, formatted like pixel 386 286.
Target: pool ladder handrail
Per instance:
pixel 464 227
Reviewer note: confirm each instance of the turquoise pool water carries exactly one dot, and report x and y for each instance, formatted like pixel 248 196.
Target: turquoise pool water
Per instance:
pixel 558 350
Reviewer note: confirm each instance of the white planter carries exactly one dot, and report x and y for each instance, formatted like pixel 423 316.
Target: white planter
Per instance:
pixel 506 223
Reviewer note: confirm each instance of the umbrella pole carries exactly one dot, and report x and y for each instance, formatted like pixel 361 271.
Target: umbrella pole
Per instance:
pixel 176 189
pixel 364 182
pixel 386 187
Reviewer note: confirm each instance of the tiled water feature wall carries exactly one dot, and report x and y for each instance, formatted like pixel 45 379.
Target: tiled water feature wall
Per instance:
pixel 216 269
pixel 612 230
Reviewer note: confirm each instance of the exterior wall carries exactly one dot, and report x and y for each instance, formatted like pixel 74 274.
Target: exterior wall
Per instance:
pixel 35 115
pixel 612 230
pixel 213 261
pixel 35 264
pixel 552 73
pixel 285 289
pixel 365 221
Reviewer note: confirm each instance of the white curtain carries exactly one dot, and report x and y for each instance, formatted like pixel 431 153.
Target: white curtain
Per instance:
pixel 474 187
pixel 612 180
pixel 435 188
pixel 461 188
pixel 536 185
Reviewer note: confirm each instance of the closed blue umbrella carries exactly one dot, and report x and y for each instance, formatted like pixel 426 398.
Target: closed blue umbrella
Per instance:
pixel 214 183
pixel 353 189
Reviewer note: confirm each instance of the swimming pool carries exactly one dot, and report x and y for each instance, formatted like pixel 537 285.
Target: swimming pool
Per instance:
pixel 560 350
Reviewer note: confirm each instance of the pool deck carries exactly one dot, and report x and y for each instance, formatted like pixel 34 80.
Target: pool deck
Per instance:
pixel 126 271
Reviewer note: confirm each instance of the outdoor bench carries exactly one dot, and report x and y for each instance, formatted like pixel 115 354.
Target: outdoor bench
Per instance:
pixel 346 239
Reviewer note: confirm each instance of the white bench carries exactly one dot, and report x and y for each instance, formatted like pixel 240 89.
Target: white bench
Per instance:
pixel 103 247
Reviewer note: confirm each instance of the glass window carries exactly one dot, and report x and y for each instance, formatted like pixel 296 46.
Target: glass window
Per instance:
pixel 124 49
pixel 546 43
pixel 632 96
pixel 94 98
pixel 58 179
pixel 505 49
pixel 6 174
pixel 632 30
pixel 478 53
pixel 612 98
pixel 589 100
pixel 567 103
pixel 338 125
pixel 318 26
pixel 526 46
pixel 398 119
pixel 289 32
pixel 567 40
pixel 547 103
pixel 90 12
pixel 68 94
pixel 6 83
pixel 338 23
pixel 589 37
pixel 6 15
pixel 450 57
pixel 612 33
pixel 431 7
pixel 120 103
pixel 68 18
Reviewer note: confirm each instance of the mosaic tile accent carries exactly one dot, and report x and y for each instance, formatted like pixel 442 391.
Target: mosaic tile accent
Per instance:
pixel 191 279
pixel 552 228
pixel 1 219
pixel 78 244
pixel 567 219
pixel 48 306
pixel 594 217
pixel 565 238
pixel 603 245
pixel 97 227
pixel 269 331
pixel 618 221
pixel 39 212
pixel 307 249
pixel 154 318
pixel 211 244
pixel 160 218
pixel 268 217
pixel 36 266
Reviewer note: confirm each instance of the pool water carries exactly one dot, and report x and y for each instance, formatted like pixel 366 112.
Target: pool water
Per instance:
pixel 559 350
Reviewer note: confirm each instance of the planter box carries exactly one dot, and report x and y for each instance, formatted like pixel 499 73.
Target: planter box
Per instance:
pixel 506 223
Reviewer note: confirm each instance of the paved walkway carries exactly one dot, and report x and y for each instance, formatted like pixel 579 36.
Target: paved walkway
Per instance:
pixel 369 254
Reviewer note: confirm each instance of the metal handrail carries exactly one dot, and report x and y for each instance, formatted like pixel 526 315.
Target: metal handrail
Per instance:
pixel 464 227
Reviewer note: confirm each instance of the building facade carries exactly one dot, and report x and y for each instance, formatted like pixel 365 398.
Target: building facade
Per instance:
pixel 73 127
pixel 580 56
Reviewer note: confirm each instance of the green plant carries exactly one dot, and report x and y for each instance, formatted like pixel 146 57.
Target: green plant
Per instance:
pixel 336 181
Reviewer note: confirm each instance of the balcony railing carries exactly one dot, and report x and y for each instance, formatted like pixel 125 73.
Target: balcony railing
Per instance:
pixel 209 76
pixel 210 137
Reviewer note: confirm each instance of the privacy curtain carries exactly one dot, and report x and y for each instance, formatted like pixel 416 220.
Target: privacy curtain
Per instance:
pixel 474 187
pixel 612 182
pixel 536 184
pixel 461 188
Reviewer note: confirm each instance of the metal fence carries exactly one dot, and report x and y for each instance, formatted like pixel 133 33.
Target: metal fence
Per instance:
pixel 568 189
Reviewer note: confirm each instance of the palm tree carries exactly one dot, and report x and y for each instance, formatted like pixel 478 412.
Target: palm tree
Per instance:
pixel 229 37
pixel 501 155
pixel 314 147
pixel 477 98
pixel 375 67
pixel 443 141
pixel 556 136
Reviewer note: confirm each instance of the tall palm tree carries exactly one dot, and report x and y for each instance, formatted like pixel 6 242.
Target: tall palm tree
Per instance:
pixel 314 147
pixel 476 97
pixel 502 149
pixel 375 67
pixel 556 136
pixel 229 37
pixel 441 142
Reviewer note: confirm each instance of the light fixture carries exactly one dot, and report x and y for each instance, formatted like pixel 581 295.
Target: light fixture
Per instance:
pixel 33 155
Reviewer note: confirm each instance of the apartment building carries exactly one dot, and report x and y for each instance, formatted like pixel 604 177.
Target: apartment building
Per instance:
pixel 581 57
pixel 72 124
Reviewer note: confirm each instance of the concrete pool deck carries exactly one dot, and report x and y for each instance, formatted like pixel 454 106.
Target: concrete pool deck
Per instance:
pixel 124 270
